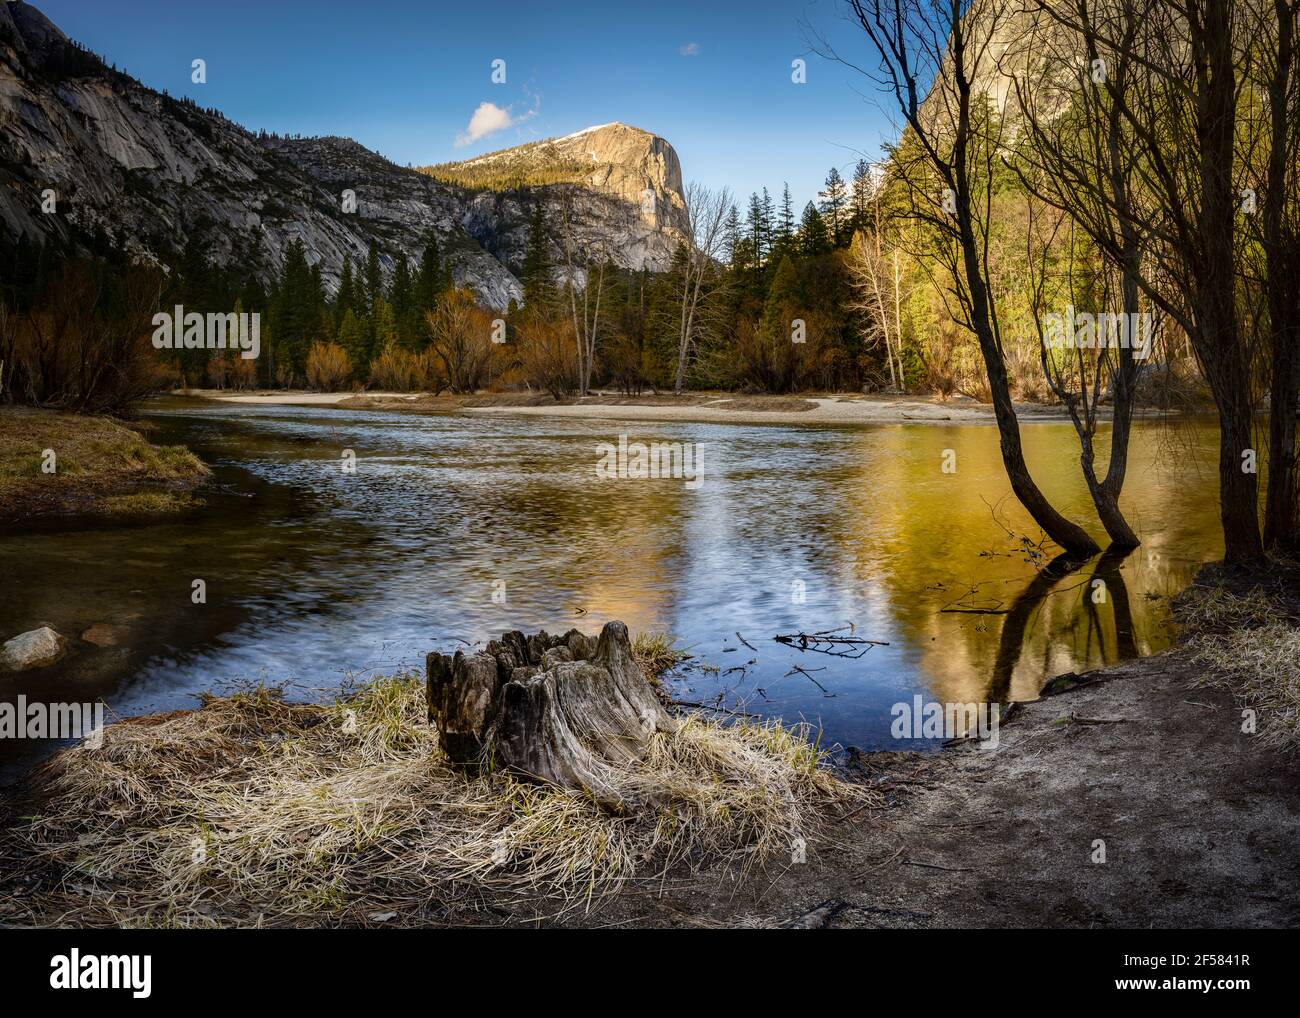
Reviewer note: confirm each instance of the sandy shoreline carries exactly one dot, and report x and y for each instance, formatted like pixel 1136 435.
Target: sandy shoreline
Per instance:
pixel 705 407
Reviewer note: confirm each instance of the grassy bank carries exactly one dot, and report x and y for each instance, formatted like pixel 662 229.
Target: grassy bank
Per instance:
pixel 1243 632
pixel 54 463
pixel 251 811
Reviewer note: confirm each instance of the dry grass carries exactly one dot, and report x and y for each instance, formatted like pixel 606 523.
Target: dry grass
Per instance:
pixel 1249 642
pixel 657 653
pixel 1206 610
pixel 146 503
pixel 1261 667
pixel 250 811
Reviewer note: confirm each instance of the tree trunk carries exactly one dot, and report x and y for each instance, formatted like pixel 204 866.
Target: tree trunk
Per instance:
pixel 1222 351
pixel 898 327
pixel 1280 501
pixel 569 710
pixel 1069 535
pixel 1282 266
pixel 1238 490
pixel 1105 496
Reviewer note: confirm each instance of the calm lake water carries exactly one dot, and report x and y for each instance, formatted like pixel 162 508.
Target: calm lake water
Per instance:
pixel 316 577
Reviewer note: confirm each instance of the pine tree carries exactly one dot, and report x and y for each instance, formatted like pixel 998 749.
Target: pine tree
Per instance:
pixel 860 198
pixel 385 327
pixel 754 219
pixel 428 278
pixel 345 299
pixel 539 288
pixel 813 238
pixel 833 203
pixel 374 279
pixel 733 235
pixel 767 218
pixel 399 292
pixel 295 314
pixel 353 339
pixel 785 226
pixel 317 304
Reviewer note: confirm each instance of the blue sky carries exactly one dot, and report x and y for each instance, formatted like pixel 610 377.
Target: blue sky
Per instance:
pixel 405 78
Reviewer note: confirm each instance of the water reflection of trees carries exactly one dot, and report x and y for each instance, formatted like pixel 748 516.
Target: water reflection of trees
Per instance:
pixel 1024 611
pixel 923 539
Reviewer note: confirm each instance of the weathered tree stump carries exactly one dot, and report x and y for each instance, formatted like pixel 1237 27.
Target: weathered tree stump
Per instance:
pixel 569 710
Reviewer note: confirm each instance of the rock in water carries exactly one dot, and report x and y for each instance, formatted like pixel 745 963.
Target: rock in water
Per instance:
pixel 567 710
pixel 103 634
pixel 34 649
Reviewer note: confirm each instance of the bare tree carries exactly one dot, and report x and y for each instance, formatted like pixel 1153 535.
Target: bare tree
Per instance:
pixel 945 45
pixel 868 270
pixel 588 261
pixel 1083 374
pixel 1272 71
pixel 1075 154
pixel 706 213
pixel 1178 109
pixel 84 350
pixel 548 353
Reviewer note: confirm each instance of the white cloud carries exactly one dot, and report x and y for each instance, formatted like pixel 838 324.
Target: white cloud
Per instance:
pixel 488 119
pixel 691 49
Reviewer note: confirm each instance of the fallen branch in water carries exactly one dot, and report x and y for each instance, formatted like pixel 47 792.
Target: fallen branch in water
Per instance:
pixel 804 672
pixel 720 710
pixel 827 642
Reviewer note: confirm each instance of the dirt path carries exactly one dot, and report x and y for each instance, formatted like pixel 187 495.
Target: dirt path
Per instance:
pixel 1201 828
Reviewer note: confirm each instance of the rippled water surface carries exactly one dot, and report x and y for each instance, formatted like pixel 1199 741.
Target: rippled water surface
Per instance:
pixel 316 577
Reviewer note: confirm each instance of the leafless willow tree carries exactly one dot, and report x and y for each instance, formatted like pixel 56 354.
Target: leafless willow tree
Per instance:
pixel 587 261
pixel 875 278
pixel 1178 108
pixel 706 214
pixel 947 165
pixel 548 353
pixel 1082 375
pixel 460 340
pixel 1074 153
pixel 81 348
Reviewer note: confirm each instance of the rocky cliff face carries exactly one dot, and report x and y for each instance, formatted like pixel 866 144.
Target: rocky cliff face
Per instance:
pixel 1008 45
pixel 609 176
pixel 152 172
